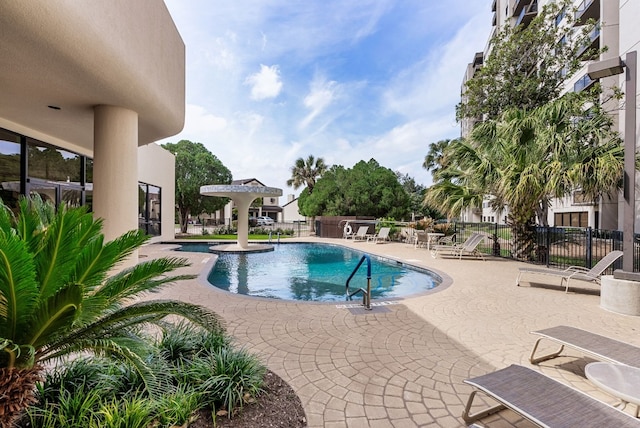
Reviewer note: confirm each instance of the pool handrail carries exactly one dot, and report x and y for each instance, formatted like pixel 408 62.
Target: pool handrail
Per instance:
pixel 366 294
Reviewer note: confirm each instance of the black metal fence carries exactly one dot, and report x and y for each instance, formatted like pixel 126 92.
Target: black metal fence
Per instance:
pixel 558 247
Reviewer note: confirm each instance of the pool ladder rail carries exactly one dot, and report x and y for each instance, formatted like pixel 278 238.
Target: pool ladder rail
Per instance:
pixel 270 233
pixel 366 294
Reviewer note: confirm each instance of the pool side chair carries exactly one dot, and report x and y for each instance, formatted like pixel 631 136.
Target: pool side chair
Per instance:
pixel 575 272
pixel 542 400
pixel 361 234
pixel 467 248
pixel 596 346
pixel 381 236
pixel 447 240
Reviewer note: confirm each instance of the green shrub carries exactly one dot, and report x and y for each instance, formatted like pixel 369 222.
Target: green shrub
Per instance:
pixel 184 341
pixel 229 377
pixel 133 412
pixel 179 408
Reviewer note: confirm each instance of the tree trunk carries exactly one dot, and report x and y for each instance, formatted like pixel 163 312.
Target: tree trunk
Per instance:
pixel 523 229
pixel 312 226
pixel 184 220
pixel 18 388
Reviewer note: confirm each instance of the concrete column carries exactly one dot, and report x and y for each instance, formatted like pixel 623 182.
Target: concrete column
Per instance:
pixel 115 169
pixel 243 202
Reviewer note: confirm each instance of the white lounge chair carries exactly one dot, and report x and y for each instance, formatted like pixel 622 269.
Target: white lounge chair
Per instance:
pixel 381 236
pixel 361 234
pixel 575 272
pixel 468 247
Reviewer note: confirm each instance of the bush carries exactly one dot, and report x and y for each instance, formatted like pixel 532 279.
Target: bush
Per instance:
pixel 195 368
pixel 229 378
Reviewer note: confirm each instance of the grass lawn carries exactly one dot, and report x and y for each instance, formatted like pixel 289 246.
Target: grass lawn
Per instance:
pixel 255 237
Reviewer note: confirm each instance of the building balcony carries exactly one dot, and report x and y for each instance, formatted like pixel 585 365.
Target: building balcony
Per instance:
pixel 494 5
pixel 583 83
pixel 587 9
pixel 494 20
pixel 518 5
pixel 527 14
pixel 594 43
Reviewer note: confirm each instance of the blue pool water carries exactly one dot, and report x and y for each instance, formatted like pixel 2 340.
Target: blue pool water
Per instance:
pixel 313 272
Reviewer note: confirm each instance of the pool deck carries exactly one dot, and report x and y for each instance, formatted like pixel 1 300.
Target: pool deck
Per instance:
pixel 403 364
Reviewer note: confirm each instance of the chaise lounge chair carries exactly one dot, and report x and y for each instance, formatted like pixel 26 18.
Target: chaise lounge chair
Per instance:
pixel 543 401
pixel 381 236
pixel 594 345
pixel 575 272
pixel 361 234
pixel 468 247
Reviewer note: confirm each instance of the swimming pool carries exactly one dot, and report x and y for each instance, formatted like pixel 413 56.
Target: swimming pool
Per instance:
pixel 313 272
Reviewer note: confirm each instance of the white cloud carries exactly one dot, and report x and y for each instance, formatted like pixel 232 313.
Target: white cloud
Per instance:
pixel 266 83
pixel 322 94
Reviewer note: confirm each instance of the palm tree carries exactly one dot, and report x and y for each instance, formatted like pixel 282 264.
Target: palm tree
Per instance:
pixel 305 172
pixel 57 299
pixel 436 158
pixel 525 158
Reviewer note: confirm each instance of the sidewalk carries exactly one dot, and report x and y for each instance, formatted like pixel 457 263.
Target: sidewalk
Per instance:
pixel 402 365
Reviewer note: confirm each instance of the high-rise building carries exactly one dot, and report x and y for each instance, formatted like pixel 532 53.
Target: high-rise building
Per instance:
pixel 616 30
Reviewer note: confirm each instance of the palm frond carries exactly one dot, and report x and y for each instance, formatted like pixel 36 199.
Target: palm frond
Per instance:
pixel 143 277
pixel 123 319
pixel 18 287
pixel 56 261
pixel 54 315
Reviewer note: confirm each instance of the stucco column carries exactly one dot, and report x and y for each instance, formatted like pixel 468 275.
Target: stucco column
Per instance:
pixel 243 202
pixel 115 169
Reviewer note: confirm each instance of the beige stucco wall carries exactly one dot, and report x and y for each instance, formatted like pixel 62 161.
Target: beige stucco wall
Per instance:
pixel 122 55
pixel 76 54
pixel 157 166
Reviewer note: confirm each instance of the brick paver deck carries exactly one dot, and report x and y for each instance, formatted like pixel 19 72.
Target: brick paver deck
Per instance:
pixel 403 365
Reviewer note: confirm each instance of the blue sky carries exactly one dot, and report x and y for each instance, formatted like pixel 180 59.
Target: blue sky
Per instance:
pixel 270 81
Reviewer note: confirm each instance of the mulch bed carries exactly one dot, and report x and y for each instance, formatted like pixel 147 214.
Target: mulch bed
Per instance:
pixel 278 406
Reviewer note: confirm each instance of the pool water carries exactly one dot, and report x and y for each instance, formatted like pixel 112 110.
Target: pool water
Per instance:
pixel 313 272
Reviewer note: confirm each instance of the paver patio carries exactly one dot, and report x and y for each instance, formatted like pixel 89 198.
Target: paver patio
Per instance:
pixel 403 365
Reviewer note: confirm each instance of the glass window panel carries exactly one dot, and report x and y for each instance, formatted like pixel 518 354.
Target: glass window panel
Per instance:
pixel 54 164
pixel 89 173
pixel 9 167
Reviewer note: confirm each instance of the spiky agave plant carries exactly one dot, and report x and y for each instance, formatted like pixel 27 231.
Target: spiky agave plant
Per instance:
pixel 57 298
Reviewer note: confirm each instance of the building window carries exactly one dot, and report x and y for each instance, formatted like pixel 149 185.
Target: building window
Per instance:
pixel 51 163
pixel 560 16
pixel 29 166
pixel 10 158
pixel 149 198
pixel 572 219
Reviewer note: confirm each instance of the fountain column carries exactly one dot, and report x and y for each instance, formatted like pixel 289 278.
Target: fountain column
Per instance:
pixel 242 196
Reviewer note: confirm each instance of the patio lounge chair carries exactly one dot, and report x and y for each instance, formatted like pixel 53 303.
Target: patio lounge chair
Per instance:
pixel 543 401
pixel 468 247
pixel 594 345
pixel 381 236
pixel 361 234
pixel 575 272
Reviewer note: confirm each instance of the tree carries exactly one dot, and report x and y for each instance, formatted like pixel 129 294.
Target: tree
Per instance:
pixel 527 67
pixel 524 158
pixel 436 158
pixel 305 172
pixel 367 189
pixel 416 194
pixel 56 298
pixel 195 167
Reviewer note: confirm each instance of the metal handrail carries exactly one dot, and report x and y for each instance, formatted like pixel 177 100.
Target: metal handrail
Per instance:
pixel 366 294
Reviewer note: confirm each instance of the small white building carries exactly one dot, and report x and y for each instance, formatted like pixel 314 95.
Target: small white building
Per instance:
pixel 290 212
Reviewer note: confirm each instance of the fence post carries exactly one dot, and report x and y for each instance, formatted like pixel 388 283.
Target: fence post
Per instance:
pixel 589 253
pixel 548 244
